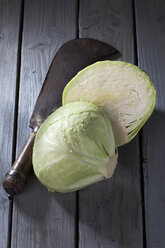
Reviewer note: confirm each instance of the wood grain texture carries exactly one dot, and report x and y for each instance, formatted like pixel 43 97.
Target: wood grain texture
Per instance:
pixel 110 214
pixel 41 219
pixel 9 36
pixel 151 57
pixel 110 22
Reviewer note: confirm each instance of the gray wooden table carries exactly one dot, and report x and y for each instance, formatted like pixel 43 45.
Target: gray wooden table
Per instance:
pixel 127 211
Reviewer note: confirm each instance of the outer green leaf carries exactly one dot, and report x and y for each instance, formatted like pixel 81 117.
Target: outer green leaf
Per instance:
pixel 74 147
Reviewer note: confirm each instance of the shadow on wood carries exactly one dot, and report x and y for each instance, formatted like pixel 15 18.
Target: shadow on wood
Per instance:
pixel 46 213
pixel 39 207
pixel 154 176
pixel 103 219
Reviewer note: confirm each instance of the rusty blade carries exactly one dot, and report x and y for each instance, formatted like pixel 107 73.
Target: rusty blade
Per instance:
pixel 72 57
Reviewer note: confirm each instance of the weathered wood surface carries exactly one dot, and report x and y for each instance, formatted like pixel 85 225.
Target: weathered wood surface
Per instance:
pixel 9 25
pixel 41 219
pixel 110 213
pixel 150 20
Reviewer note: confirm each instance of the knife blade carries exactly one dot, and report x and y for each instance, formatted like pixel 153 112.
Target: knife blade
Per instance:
pixel 72 57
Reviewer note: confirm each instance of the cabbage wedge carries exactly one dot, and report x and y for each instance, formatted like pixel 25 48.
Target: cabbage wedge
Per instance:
pixel 74 147
pixel 123 90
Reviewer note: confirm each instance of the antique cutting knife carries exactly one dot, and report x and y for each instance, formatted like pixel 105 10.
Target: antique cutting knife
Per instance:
pixel 72 57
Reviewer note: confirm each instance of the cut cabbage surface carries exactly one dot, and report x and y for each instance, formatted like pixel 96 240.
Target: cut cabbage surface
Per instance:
pixel 124 91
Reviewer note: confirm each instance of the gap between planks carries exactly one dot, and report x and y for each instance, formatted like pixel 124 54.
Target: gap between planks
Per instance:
pixel 77 193
pixel 11 199
pixel 141 155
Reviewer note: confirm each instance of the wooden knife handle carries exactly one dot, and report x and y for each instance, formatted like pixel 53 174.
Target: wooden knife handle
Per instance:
pixel 16 177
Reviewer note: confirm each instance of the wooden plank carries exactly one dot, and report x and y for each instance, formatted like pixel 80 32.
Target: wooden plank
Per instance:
pixel 110 211
pixel 9 39
pixel 41 219
pixel 150 19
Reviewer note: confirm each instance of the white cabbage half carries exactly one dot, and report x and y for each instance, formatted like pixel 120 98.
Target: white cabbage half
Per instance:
pixel 74 147
pixel 123 90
